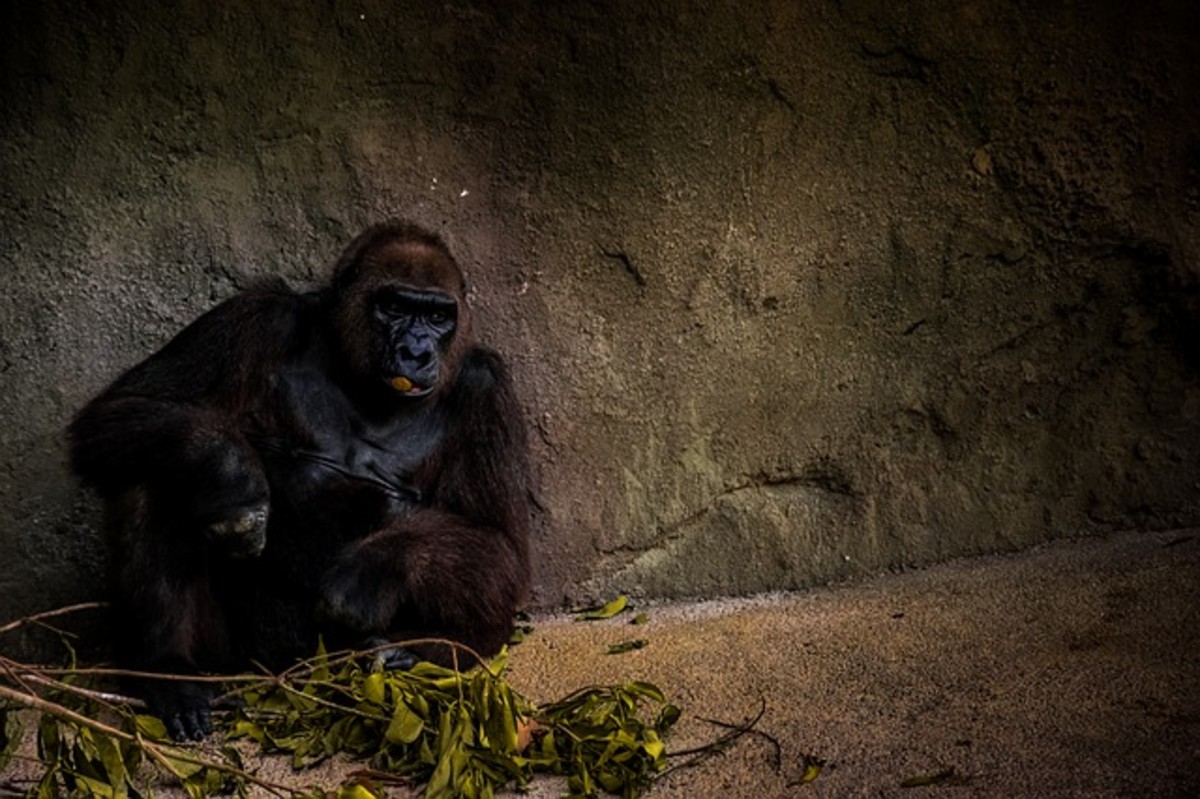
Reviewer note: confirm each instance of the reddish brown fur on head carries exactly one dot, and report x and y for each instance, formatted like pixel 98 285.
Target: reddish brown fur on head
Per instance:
pixel 399 254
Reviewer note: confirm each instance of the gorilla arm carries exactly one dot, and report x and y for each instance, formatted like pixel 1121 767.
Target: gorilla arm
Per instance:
pixel 164 448
pixel 458 566
pixel 171 426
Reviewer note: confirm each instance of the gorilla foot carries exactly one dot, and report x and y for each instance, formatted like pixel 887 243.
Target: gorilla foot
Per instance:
pixel 393 658
pixel 184 707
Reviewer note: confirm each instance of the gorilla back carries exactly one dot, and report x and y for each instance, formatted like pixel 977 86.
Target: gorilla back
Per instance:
pixel 344 462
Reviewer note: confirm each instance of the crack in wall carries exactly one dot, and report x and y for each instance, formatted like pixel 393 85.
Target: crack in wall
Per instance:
pixel 821 476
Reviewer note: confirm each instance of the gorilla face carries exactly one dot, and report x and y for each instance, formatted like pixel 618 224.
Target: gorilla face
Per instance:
pixel 413 329
pixel 399 316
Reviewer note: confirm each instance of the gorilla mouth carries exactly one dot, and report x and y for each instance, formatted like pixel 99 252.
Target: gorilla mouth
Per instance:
pixel 407 387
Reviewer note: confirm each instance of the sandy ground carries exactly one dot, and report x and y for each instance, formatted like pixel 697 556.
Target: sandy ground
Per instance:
pixel 1072 670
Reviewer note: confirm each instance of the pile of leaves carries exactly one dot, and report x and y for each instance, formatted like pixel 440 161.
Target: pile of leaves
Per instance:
pixel 458 734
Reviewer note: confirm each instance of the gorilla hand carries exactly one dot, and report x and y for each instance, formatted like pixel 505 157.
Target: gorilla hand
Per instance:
pixel 244 535
pixel 227 494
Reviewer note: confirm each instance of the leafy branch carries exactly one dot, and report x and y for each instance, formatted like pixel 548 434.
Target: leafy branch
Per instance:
pixel 459 733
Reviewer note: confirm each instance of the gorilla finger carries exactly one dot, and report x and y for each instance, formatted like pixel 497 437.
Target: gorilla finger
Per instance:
pixel 175 727
pixel 204 721
pixel 196 725
pixel 244 535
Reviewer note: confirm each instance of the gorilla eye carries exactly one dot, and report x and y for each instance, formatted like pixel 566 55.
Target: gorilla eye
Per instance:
pixel 439 317
pixel 391 305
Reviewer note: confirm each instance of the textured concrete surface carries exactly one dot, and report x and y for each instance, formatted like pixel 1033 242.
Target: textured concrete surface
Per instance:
pixel 1071 670
pixel 794 291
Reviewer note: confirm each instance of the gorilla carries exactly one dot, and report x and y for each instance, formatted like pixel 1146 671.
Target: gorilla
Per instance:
pixel 343 462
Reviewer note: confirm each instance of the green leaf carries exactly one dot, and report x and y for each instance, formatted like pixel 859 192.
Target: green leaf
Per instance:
pixel 373 688
pixel 355 791
pixel 114 764
pixel 626 646
pixel 49 740
pixel 645 689
pixel 605 612
pixel 405 726
pixel 667 718
pixel 194 790
pixel 548 747
pixel 183 768
pixel 519 634
pixel 653 746
pixel 439 784
pixel 812 770
pixel 150 727
pixel 48 786
pixel 245 729
pixel 95 787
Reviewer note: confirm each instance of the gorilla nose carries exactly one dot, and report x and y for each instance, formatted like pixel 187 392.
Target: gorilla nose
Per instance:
pixel 419 356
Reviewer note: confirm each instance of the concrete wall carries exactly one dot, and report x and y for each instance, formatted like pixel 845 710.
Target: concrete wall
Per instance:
pixel 794 291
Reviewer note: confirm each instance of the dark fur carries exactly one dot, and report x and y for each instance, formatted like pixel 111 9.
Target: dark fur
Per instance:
pixel 264 485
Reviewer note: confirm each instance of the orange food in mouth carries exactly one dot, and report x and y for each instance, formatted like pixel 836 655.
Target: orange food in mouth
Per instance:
pixel 402 384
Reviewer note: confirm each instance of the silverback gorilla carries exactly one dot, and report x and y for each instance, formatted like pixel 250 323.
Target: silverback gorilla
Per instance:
pixel 343 462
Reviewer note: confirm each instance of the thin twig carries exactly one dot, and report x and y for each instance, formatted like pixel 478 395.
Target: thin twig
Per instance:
pixel 306 665
pixel 13 675
pixel 109 700
pixel 291 689
pixel 458 677
pixel 701 753
pixel 345 655
pixel 49 614
pixel 381 776
pixel 141 675
pixel 339 657
pixel 752 730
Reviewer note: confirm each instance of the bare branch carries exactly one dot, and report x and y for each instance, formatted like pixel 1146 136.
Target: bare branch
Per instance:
pixel 49 614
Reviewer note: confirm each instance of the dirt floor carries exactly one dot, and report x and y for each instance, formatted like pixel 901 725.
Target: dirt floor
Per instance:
pixel 1072 670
